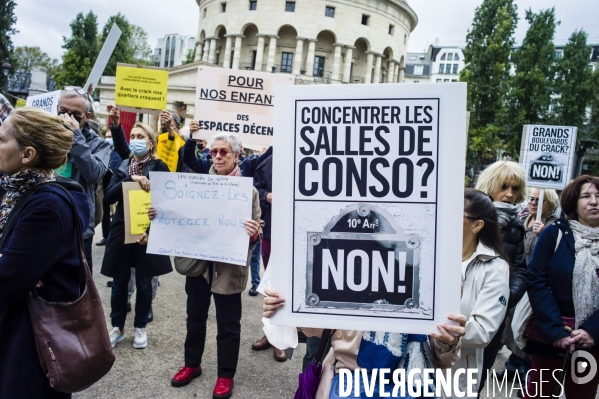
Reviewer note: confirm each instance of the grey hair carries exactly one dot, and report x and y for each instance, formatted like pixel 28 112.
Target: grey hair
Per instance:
pixel 230 138
pixel 176 118
pixel 71 94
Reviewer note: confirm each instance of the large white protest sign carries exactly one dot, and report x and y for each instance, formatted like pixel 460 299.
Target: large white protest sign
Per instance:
pixel 547 155
pixel 239 102
pixel 200 216
pixel 107 49
pixel 46 101
pixel 369 204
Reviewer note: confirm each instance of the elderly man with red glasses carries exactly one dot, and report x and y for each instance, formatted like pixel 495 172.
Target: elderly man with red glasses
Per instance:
pixel 88 158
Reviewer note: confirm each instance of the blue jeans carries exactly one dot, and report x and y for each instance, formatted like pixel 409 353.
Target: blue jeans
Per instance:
pixel 143 300
pixel 255 264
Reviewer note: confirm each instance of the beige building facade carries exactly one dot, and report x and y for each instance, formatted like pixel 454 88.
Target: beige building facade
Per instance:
pixel 318 41
pixel 340 41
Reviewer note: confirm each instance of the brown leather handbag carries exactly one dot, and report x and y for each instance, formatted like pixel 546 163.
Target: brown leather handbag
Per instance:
pixel 71 337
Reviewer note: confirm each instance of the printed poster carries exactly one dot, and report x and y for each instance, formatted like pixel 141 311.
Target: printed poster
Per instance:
pixel 369 190
pixel 547 155
pixel 240 102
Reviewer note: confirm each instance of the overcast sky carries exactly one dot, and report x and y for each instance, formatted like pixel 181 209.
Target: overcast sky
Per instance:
pixel 43 23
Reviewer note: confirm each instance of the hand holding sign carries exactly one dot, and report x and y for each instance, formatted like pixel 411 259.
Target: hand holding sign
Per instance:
pixel 115 115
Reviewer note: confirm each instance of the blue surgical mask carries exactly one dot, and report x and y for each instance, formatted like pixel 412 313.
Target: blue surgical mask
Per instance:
pixel 110 142
pixel 138 147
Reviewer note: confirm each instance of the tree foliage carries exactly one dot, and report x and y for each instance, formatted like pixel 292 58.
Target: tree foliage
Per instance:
pixel 8 20
pixel 573 82
pixel 530 86
pixel 138 42
pixel 27 57
pixel 81 50
pixel 191 55
pixel 489 45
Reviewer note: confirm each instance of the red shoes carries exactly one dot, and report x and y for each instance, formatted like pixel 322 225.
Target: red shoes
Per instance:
pixel 185 375
pixel 223 388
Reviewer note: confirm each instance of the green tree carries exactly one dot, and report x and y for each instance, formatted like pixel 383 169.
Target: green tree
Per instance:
pixel 191 55
pixel 82 51
pixel 489 45
pixel 7 29
pixel 573 83
pixel 138 42
pixel 530 87
pixel 27 57
pixel 122 52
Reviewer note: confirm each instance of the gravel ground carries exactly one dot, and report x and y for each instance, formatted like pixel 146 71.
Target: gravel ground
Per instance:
pixel 143 373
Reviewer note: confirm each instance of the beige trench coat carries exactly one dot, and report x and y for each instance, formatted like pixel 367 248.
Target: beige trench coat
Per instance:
pixel 227 279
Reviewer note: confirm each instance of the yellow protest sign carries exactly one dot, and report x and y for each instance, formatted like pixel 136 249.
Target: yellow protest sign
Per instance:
pixel 141 87
pixel 139 202
pixel 168 150
pixel 20 103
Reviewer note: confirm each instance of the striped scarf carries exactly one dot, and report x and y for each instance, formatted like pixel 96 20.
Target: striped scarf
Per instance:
pixel 136 168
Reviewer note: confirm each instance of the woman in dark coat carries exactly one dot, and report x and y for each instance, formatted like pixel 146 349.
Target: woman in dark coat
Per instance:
pixel 563 292
pixel 41 248
pixel 139 159
pixel 505 182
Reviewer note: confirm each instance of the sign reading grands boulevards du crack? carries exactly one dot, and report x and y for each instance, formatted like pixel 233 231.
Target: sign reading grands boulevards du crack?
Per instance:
pixel 368 205
pixel 547 155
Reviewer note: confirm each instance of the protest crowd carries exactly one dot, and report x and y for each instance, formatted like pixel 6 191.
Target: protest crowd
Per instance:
pixel 61 178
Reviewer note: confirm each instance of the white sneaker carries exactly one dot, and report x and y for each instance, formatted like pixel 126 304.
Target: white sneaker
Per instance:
pixel 116 335
pixel 140 340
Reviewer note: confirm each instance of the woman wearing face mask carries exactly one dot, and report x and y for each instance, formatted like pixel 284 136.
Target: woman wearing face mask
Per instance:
pixel 504 182
pixel 139 160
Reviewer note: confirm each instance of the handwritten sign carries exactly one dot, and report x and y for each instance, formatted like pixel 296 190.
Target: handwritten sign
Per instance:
pixel 240 102
pixel 141 88
pixel 139 202
pixel 201 216
pixel 168 150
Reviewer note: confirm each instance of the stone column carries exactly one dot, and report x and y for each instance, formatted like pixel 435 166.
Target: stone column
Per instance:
pixel 368 75
pixel 237 53
pixel 259 53
pixel 310 58
pixel 377 69
pixel 206 49
pixel 396 77
pixel 227 55
pixel 272 50
pixel 347 63
pixel 212 55
pixel 336 61
pixel 199 50
pixel 401 74
pixel 297 57
pixel 390 71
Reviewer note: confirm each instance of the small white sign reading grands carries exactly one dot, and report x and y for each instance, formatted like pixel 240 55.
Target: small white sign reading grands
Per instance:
pixel 367 217
pixel 547 155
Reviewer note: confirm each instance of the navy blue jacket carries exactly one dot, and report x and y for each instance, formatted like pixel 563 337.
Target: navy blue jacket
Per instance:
pixel 41 247
pixel 263 183
pixel 248 167
pixel 550 283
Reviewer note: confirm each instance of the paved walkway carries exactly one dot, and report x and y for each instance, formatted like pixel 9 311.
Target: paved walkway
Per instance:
pixel 146 373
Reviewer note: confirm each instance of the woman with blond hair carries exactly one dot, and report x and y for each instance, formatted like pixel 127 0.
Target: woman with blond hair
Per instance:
pixel 505 183
pixel 139 159
pixel 38 240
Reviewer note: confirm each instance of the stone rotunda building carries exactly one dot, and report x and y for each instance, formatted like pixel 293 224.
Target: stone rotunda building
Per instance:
pixel 320 41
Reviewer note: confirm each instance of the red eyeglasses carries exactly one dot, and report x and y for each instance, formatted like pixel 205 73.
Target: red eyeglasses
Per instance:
pixel 223 153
